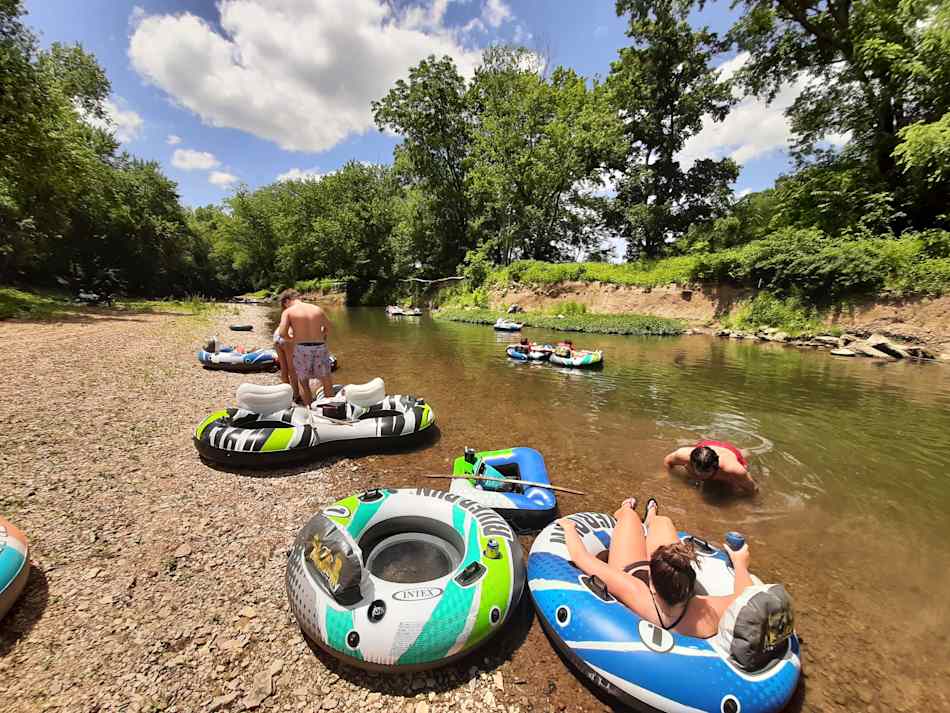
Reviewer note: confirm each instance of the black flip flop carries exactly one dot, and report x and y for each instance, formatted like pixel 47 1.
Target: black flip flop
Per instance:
pixel 656 507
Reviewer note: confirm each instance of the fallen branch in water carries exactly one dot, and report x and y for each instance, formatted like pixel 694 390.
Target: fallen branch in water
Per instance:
pixel 559 488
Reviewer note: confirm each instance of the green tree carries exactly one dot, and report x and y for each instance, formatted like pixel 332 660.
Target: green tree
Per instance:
pixel 663 87
pixel 431 113
pixel 535 143
pixel 875 67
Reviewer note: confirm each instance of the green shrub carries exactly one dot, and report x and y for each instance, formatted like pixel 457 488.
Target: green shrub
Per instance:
pixel 323 284
pixel 567 308
pixel 789 315
pixel 805 262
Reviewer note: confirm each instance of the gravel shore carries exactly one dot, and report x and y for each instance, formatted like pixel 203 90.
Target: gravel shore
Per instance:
pixel 158 582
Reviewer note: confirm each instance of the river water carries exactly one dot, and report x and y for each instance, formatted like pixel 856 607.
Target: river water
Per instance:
pixel 851 456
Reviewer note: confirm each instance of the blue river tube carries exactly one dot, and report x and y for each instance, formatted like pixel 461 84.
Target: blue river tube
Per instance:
pixel 643 665
pixel 527 508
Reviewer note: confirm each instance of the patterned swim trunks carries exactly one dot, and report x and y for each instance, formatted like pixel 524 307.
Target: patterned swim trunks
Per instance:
pixel 311 361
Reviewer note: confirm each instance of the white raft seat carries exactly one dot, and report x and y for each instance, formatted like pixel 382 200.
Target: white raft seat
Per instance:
pixel 365 395
pixel 258 398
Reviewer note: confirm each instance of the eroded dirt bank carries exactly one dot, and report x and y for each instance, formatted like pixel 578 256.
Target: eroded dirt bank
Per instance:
pixel 923 319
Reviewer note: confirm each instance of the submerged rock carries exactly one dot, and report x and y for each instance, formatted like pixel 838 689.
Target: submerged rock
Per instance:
pixel 843 352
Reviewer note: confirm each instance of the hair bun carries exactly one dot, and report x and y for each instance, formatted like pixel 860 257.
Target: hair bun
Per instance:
pixel 680 554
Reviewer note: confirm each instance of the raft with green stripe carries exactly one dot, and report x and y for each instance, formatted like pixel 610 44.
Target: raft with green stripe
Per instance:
pixel 238 437
pixel 404 580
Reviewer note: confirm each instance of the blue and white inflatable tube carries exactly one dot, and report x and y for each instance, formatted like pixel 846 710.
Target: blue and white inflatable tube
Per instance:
pixel 527 508
pixel 229 359
pixel 14 564
pixel 643 665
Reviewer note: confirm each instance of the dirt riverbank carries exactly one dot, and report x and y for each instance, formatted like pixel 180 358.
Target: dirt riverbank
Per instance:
pixel 921 319
pixel 157 583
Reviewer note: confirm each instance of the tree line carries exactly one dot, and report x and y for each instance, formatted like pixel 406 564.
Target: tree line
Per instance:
pixel 522 161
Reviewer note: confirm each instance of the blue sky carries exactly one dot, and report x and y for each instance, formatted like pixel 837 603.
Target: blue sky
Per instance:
pixel 245 91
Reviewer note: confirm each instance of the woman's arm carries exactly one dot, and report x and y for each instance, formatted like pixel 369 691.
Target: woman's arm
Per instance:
pixel 284 328
pixel 740 563
pixel 629 590
pixel 678 457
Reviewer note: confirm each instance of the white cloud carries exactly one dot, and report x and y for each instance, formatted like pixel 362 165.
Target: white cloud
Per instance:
pixel 751 130
pixel 299 73
pixel 301 174
pixel 744 192
pixel 221 179
pixel 124 124
pixel 135 17
pixel 496 12
pixel 474 25
pixel 173 140
pixel 191 160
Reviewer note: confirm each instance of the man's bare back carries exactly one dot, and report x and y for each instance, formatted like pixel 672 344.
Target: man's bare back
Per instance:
pixel 310 328
pixel 308 322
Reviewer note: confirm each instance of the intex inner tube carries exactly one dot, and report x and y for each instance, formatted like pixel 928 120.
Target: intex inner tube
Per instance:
pixel 527 508
pixel 263 436
pixel 641 664
pixel 404 580
pixel 14 564
pixel 242 327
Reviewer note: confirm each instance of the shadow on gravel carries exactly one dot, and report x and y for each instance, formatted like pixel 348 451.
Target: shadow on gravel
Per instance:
pixel 26 612
pixel 429 438
pixel 484 659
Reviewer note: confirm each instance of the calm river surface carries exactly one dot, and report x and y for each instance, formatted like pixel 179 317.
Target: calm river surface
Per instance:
pixel 852 457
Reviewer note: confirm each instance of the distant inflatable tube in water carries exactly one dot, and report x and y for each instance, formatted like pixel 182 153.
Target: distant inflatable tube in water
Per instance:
pixel 14 564
pixel 242 327
pixel 506 325
pixel 639 663
pixel 531 352
pixel 404 580
pixel 578 358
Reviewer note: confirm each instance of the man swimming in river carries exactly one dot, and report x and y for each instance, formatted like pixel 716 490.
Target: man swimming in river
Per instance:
pixel 714 460
pixel 310 330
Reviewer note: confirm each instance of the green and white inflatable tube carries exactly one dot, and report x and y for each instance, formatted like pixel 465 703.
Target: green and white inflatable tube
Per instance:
pixel 404 580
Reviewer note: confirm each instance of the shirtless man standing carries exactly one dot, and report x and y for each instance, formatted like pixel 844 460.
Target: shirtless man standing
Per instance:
pixel 310 329
pixel 714 460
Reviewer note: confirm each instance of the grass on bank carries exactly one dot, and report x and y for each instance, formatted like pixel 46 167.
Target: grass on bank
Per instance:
pixel 789 315
pixel 805 262
pixel 628 324
pixel 22 304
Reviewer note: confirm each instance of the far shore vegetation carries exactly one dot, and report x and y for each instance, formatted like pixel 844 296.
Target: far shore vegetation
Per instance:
pixel 573 321
pixel 513 174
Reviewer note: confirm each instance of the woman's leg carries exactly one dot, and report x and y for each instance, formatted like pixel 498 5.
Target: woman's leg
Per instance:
pixel 627 544
pixel 660 531
pixel 287 357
